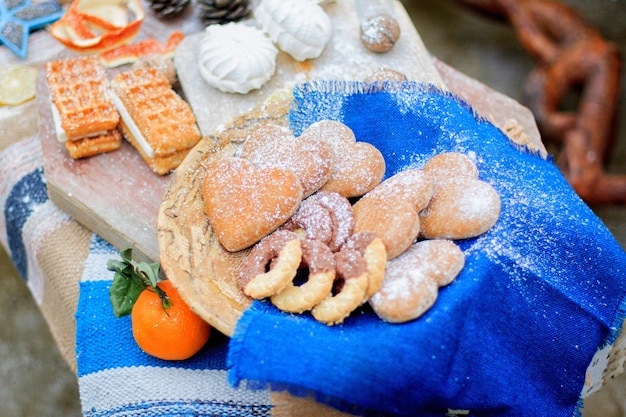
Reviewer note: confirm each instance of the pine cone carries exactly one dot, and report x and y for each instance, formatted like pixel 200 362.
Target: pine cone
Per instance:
pixel 168 8
pixel 222 11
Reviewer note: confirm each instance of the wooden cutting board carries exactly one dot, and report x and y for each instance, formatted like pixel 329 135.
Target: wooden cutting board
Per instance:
pixel 114 194
pixel 343 58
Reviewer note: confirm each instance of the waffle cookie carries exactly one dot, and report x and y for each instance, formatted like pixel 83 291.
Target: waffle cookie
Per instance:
pixel 154 119
pixel 84 117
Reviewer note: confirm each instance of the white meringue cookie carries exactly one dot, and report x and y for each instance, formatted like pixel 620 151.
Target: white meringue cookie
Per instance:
pixel 300 28
pixel 236 58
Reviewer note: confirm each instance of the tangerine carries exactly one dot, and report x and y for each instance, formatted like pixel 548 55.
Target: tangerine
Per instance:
pixel 172 332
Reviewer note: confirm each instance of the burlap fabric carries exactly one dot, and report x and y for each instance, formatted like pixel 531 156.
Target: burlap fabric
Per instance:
pixel 60 251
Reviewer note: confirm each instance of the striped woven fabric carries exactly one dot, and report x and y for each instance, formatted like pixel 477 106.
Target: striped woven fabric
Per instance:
pixel 115 377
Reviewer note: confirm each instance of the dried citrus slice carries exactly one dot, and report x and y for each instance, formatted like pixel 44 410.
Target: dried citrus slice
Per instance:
pixel 94 27
pixel 106 16
pixel 17 84
pixel 129 53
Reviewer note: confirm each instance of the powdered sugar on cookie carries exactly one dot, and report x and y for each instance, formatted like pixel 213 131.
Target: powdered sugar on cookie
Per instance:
pixel 358 167
pixel 412 279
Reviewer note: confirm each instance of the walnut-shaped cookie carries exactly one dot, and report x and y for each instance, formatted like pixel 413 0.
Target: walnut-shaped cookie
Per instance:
pixel 462 206
pixel 412 280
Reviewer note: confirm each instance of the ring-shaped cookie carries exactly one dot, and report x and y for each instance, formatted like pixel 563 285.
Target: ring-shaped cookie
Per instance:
pixel 271 265
pixel 340 211
pixel 318 260
pixel 373 250
pixel 311 220
pixel 352 271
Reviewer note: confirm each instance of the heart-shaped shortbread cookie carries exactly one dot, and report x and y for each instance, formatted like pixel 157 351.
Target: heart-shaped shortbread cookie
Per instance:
pixel 358 166
pixel 391 209
pixel 310 159
pixel 245 202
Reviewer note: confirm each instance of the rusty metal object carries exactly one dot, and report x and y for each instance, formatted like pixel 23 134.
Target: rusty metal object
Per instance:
pixel 573 60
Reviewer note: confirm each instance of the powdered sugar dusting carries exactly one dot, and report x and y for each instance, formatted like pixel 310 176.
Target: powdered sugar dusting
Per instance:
pixel 413 185
pixel 358 166
pixel 340 211
pixel 314 219
pixel 245 203
pixel 412 280
pixel 310 159
pixel 474 200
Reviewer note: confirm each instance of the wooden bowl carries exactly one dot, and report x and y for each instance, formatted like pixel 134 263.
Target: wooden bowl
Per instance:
pixel 200 268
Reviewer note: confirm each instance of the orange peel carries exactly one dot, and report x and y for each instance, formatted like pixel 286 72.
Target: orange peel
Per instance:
pixel 107 14
pixel 130 53
pixel 91 26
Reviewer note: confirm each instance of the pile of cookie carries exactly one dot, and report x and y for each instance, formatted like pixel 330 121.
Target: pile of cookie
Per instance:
pixel 326 234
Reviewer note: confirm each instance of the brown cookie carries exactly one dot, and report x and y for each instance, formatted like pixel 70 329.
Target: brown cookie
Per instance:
pixel 412 280
pixel 412 185
pixel 340 212
pixel 395 222
pixel 311 160
pixel 244 202
pixel 358 166
pixel 373 250
pixel 383 74
pixel 441 166
pixel 391 209
pixel 462 206
pixel 319 265
pixel 270 265
pixel 311 221
pixel 350 287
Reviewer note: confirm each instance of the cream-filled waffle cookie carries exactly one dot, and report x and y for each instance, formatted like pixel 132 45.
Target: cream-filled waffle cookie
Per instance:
pixel 85 119
pixel 154 119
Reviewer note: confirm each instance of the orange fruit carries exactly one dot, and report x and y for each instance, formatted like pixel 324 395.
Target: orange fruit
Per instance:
pixel 174 333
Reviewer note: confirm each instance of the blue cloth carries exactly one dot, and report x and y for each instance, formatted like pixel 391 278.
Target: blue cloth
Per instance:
pixel 512 336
